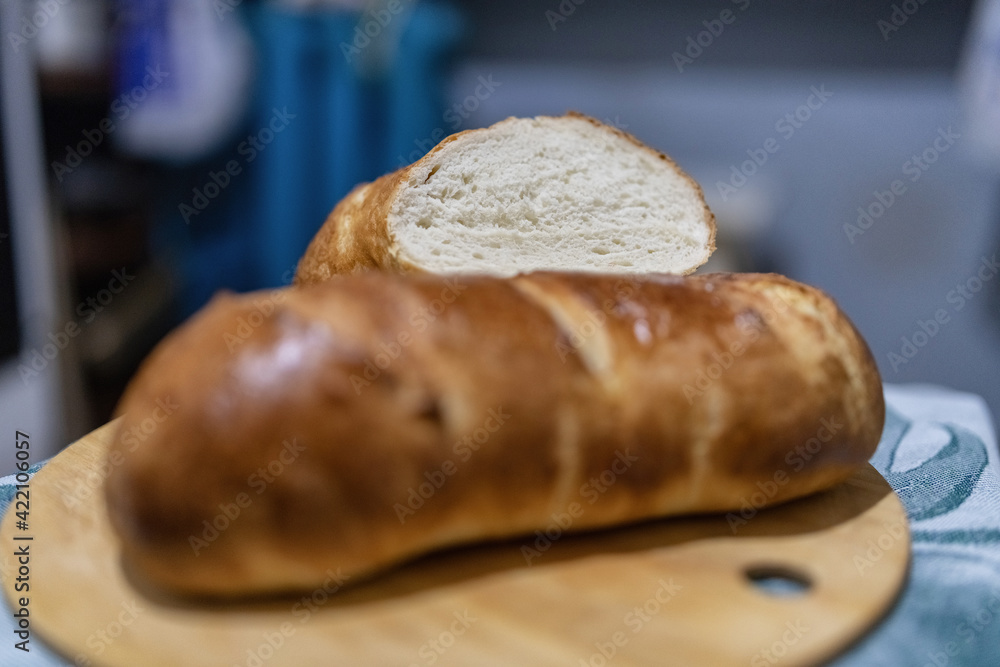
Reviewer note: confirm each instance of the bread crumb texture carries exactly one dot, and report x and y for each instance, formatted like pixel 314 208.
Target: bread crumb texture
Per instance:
pixel 550 193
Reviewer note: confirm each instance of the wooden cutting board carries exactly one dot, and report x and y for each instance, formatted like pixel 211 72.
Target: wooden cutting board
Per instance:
pixel 670 592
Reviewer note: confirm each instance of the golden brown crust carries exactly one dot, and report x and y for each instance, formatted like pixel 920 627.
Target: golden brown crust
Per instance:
pixel 504 402
pixel 357 235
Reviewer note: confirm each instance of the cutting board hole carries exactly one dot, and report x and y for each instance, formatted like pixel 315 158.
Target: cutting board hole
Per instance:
pixel 778 580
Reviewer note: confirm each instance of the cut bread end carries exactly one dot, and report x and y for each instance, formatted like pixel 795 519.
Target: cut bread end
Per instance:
pixel 565 193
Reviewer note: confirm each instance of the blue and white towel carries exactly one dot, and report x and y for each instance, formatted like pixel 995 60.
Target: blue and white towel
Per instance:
pixel 939 452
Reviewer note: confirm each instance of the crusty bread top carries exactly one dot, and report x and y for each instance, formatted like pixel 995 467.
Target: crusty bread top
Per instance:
pixel 556 193
pixel 377 376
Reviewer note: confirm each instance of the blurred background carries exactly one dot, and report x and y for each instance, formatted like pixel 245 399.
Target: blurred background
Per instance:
pixel 156 151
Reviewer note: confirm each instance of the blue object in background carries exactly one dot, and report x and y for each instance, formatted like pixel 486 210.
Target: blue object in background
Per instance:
pixel 339 97
pixel 342 123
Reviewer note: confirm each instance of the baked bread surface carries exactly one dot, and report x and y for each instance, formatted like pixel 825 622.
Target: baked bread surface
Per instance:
pixel 323 415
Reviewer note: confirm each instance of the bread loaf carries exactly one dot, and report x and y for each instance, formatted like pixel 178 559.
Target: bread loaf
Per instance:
pixel 525 194
pixel 352 425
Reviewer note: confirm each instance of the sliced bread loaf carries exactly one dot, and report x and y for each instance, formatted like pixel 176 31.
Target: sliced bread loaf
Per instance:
pixel 560 193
